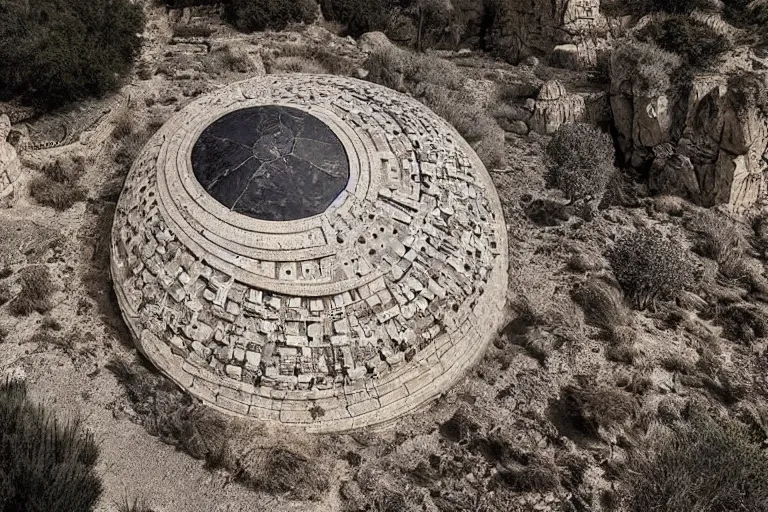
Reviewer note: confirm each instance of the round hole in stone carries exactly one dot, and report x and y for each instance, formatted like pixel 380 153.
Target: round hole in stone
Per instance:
pixel 361 240
pixel 288 163
pixel 339 240
pixel 372 252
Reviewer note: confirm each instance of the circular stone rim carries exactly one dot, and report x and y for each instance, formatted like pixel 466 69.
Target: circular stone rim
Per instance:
pixel 340 194
pixel 246 222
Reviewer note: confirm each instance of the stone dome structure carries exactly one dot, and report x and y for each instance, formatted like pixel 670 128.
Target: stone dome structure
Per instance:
pixel 312 250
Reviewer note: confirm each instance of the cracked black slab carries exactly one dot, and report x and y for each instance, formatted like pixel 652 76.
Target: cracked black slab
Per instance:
pixel 271 163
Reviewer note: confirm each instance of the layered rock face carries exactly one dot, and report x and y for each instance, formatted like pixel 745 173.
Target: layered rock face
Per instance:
pixel 572 32
pixel 711 147
pixel 10 166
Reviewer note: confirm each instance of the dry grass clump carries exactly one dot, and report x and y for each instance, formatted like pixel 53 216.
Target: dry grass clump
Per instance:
pixel 593 406
pixel 54 194
pixel 170 414
pixel 295 64
pixel 650 266
pixel 58 187
pixel 603 304
pixel 46 464
pixel 701 466
pixel 719 240
pixel 129 147
pixel 36 290
pixel 5 293
pixel 290 469
pixel 744 322
pixel 125 124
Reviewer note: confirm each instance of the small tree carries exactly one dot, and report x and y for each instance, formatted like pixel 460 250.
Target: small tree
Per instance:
pixel 579 161
pixel 651 266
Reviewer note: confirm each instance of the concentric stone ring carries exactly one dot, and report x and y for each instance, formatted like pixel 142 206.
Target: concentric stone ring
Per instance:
pixel 311 250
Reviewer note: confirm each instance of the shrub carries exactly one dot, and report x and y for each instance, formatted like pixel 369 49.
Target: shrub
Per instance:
pixel 698 44
pixel 644 68
pixel 46 465
pixel 256 15
pixel 748 90
pixel 54 194
pixel 36 291
pixel 651 266
pixel 57 51
pixel 703 466
pixel 580 161
pixel 358 16
pixel 719 240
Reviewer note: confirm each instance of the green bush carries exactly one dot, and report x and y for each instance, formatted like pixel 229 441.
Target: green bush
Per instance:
pixel 46 465
pixel 358 16
pixel 651 266
pixel 702 466
pixel 580 161
pixel 57 51
pixel 255 15
pixel 698 45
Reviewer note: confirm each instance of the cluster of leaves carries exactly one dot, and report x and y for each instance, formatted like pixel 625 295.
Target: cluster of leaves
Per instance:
pixel 698 466
pixel 698 44
pixel 253 15
pixel 57 51
pixel 642 7
pixel 580 161
pixel 46 465
pixel 651 266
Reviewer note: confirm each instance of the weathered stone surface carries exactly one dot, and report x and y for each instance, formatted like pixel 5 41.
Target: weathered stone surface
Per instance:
pixel 523 28
pixel 555 107
pixel 10 165
pixel 413 250
pixel 718 136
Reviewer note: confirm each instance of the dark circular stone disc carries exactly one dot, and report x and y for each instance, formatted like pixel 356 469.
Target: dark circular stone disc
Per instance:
pixel 271 163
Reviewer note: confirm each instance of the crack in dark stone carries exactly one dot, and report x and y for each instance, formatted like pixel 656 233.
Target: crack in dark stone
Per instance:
pixel 271 163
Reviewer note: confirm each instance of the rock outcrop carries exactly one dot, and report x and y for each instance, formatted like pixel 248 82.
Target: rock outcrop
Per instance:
pixel 708 143
pixel 574 29
pixel 10 166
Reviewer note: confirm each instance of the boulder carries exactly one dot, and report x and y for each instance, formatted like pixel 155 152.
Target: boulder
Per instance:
pixel 10 165
pixel 374 42
pixel 555 107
